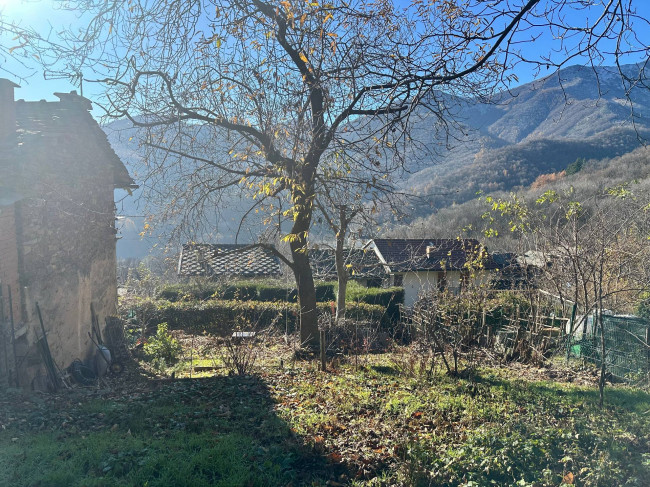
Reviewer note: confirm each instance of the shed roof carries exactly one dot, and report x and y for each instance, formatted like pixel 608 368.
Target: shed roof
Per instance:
pixel 427 254
pixel 242 260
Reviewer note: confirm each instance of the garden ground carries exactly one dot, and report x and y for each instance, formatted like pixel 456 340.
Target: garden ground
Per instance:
pixel 369 420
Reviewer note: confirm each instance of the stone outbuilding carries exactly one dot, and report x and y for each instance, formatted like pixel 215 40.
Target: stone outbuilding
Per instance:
pixel 57 231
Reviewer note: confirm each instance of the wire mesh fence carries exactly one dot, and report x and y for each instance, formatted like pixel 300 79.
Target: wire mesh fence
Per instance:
pixel 627 348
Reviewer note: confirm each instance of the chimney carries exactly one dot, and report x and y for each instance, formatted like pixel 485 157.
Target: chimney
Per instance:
pixel 430 249
pixel 72 99
pixel 7 108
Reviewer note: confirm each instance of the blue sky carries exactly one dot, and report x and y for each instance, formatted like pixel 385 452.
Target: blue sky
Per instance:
pixel 41 15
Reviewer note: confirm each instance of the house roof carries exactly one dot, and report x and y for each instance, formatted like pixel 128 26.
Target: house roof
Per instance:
pixel 240 260
pixel 44 127
pixel 513 273
pixel 363 264
pixel 426 254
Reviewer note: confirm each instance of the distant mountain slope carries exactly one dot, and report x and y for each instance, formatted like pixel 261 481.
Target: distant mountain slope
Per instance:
pixel 538 128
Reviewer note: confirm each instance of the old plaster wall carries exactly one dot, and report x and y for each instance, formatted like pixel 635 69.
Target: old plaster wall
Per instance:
pixel 417 284
pixel 8 278
pixel 9 260
pixel 68 246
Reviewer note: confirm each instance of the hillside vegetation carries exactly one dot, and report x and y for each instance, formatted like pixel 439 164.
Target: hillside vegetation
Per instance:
pixel 592 177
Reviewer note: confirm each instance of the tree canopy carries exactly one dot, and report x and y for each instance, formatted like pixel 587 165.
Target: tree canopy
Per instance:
pixel 273 99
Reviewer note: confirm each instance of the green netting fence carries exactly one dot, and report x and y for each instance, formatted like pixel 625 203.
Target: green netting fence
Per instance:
pixel 627 354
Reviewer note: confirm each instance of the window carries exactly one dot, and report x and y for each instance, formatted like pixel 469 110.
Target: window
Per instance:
pixel 398 280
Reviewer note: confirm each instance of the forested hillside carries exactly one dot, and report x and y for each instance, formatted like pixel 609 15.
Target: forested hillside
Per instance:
pixel 591 176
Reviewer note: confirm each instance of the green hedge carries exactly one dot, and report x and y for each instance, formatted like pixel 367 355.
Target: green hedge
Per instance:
pixel 259 290
pixel 325 291
pixel 189 291
pixel 276 292
pixel 237 291
pixel 388 298
pixel 221 317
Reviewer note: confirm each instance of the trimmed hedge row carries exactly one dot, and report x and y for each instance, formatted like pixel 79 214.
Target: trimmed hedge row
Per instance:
pixel 388 298
pixel 221 317
pixel 243 291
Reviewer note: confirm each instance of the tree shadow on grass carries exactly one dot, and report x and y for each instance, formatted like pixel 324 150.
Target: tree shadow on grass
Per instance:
pixel 202 432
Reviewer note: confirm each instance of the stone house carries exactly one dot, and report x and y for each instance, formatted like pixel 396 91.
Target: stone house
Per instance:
pixel 57 230
pixel 423 265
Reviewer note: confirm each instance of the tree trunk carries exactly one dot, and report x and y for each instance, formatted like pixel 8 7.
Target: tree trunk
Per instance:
pixel 306 299
pixel 309 336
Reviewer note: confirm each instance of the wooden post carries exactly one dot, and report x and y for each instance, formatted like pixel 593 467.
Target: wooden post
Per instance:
pixel 323 355
pixel 516 339
pixel 572 323
pixel 192 356
pixel 553 321
pixel 13 335
pixel 47 355
pixel 4 336
pixel 483 321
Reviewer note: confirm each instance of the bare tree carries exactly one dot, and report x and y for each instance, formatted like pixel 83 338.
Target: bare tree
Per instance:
pixel 593 253
pixel 350 204
pixel 249 96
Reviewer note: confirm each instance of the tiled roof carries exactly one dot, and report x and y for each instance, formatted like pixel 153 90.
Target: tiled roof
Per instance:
pixel 47 126
pixel 227 260
pixel 364 264
pixel 503 260
pixel 403 255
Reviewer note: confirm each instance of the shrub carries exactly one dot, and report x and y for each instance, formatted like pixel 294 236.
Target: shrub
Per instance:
pixel 575 166
pixel 219 316
pixel 325 291
pixel 243 291
pixel 643 307
pixel 162 348
pixel 172 292
pixel 389 298
pixel 239 354
pixel 276 292
pixel 195 290
pixel 266 290
pixel 503 307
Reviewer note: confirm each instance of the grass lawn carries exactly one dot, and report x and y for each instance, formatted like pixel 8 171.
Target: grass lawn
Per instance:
pixel 364 425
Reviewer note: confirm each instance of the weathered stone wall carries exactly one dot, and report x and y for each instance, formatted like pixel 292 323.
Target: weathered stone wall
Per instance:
pixel 66 240
pixel 8 257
